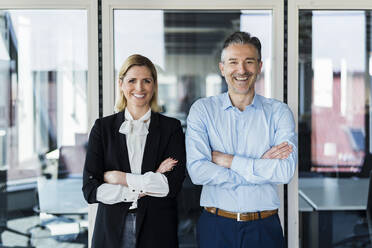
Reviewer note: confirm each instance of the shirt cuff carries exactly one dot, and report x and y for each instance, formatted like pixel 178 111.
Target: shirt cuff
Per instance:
pixel 150 183
pixel 128 196
pixel 135 183
pixel 113 193
pixel 242 165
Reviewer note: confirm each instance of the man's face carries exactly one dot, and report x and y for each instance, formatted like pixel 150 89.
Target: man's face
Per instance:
pixel 240 67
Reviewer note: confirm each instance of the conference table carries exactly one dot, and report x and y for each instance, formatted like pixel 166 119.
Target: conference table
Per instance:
pixel 330 194
pixel 303 205
pixel 327 196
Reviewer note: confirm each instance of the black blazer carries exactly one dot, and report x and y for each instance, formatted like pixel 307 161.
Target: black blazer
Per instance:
pixel 156 217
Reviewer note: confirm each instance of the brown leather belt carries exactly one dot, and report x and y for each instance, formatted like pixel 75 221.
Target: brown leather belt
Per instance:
pixel 242 216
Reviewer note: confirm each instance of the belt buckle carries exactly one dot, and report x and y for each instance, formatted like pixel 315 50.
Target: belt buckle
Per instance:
pixel 238 217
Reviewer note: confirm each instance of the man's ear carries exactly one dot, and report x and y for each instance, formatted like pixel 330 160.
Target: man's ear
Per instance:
pixel 221 66
pixel 260 66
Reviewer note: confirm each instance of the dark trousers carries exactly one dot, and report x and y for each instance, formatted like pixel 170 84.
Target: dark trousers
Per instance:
pixel 129 234
pixel 214 231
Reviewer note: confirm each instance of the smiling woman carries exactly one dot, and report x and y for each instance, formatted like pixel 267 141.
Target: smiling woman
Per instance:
pixel 135 165
pixel 137 84
pixel 138 88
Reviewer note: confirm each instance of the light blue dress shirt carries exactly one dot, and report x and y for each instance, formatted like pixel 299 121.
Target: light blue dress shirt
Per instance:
pixel 250 185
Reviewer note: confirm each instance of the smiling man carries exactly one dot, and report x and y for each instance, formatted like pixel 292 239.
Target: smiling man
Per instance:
pixel 240 146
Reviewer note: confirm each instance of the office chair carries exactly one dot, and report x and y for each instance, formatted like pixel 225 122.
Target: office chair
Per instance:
pixel 70 167
pixel 71 161
pixel 362 231
pixel 369 209
pixel 4 212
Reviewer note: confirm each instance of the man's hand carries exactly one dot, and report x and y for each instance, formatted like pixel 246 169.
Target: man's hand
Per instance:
pixel 281 151
pixel 167 165
pixel 115 177
pixel 222 159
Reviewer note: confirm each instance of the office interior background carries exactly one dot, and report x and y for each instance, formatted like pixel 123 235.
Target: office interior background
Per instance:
pixel 58 73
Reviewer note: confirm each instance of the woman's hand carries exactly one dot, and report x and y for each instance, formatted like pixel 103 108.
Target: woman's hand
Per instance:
pixel 167 165
pixel 115 177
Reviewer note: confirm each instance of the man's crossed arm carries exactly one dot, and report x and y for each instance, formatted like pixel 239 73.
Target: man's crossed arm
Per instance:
pixel 281 151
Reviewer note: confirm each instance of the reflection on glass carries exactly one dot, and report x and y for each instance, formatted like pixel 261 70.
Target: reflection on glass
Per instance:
pixel 43 80
pixel 185 46
pixel 332 92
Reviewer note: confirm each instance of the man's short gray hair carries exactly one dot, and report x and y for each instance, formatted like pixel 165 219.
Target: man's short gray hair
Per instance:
pixel 242 38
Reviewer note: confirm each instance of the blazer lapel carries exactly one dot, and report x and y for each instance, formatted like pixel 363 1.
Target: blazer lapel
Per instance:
pixel 152 143
pixel 123 150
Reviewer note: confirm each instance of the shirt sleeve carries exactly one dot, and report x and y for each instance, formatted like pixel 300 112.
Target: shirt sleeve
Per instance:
pixel 277 171
pixel 201 169
pixel 115 193
pixel 150 183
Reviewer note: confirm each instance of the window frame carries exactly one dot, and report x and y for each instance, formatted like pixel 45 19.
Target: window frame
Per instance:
pixel 91 6
pixel 294 6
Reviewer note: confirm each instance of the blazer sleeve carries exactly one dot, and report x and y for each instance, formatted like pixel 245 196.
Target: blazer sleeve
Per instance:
pixel 176 149
pixel 94 164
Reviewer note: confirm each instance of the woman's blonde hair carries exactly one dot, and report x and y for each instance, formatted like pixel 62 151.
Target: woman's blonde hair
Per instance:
pixel 137 60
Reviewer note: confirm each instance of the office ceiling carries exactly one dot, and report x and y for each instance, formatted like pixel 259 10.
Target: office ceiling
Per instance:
pixel 198 32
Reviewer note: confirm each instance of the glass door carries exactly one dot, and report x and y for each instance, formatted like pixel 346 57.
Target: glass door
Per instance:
pixel 184 41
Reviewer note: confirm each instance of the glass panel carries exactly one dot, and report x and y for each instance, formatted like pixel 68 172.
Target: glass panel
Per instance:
pixel 334 127
pixel 333 85
pixel 43 106
pixel 332 90
pixel 186 46
pixel 44 72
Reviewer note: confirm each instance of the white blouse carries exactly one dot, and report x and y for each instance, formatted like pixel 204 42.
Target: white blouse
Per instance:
pixel 150 183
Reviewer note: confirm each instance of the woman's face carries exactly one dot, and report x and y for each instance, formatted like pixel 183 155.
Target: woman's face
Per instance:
pixel 138 86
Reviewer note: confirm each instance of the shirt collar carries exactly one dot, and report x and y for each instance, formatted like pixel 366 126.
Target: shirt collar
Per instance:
pixel 226 101
pixel 256 103
pixel 145 117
